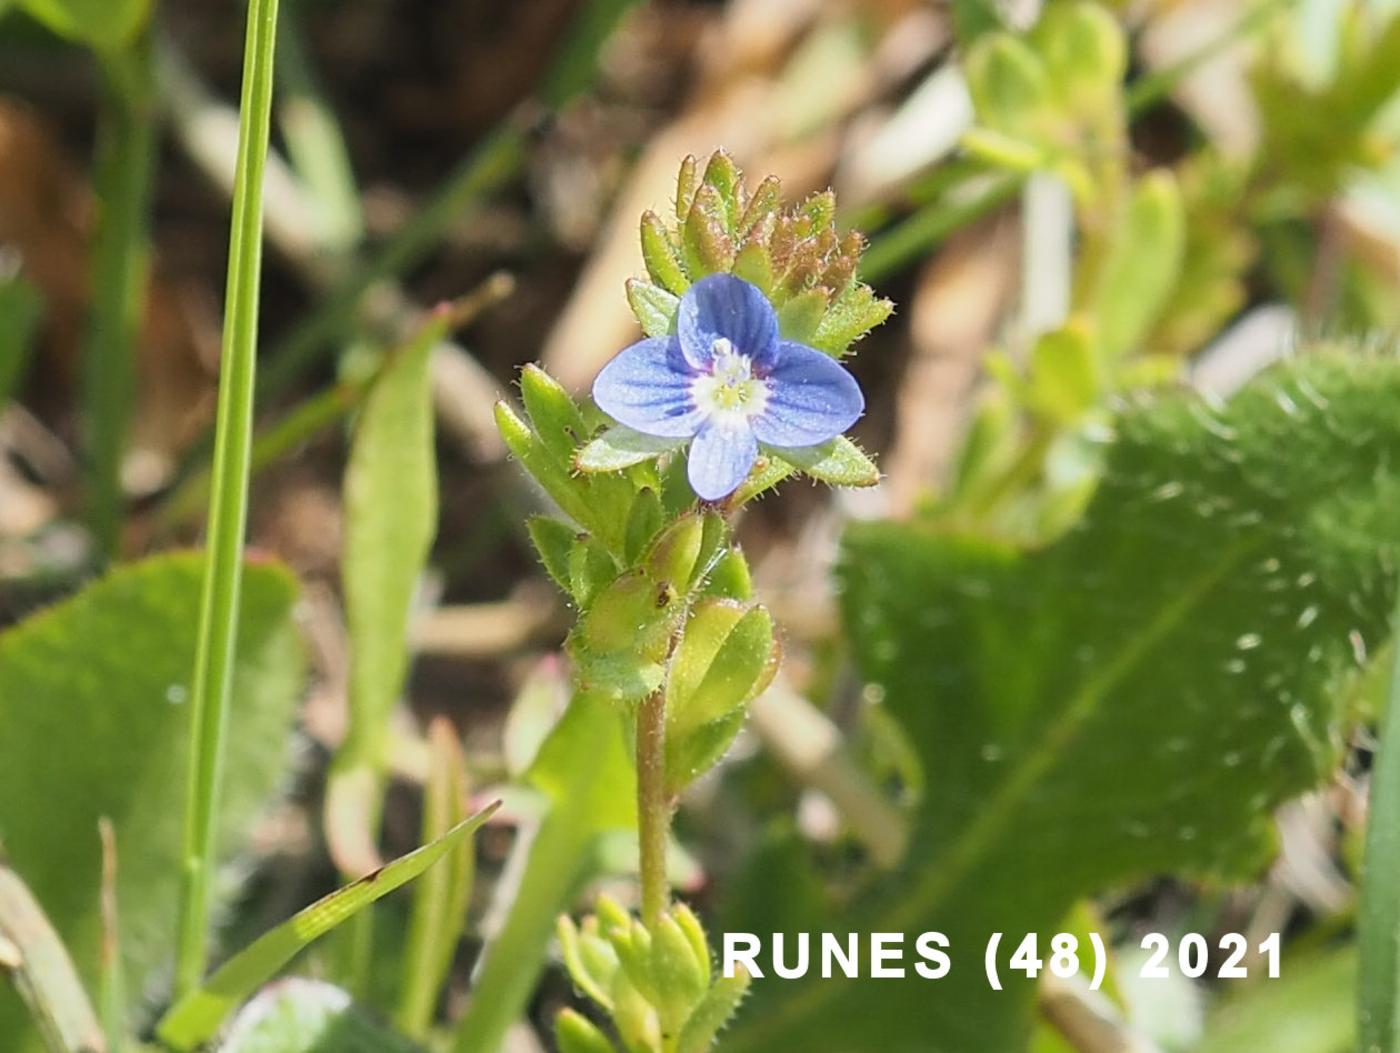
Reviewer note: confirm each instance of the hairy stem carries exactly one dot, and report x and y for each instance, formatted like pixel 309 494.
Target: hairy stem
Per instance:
pixel 653 807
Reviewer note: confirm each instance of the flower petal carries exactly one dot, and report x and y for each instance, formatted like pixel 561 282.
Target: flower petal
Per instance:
pixel 811 398
pixel 647 388
pixel 721 458
pixel 725 306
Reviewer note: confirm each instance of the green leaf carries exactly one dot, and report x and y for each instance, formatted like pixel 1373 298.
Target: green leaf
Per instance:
pixel 620 447
pixel 705 242
pixel 837 462
pixel 21 307
pixel 553 414
pixel 586 772
pixel 441 899
pixel 554 541
pixel 390 519
pixel 855 313
pixel 113 664
pixel 42 972
pixel 661 257
pixel 195 1019
pixel 800 316
pixel 1065 379
pixel 1309 1008
pixel 726 656
pixel 1143 267
pixel 654 308
pixel 1134 698
pixel 574 1033
pixel 308 1016
pixel 102 24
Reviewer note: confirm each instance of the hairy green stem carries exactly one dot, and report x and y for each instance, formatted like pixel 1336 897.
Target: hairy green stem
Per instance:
pixel 228 504
pixel 125 153
pixel 653 806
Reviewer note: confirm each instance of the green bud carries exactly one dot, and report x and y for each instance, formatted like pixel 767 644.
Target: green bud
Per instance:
pixel 713 1013
pixel 554 415
pixel 591 973
pixel 725 657
pixel 695 934
pixel 575 1033
pixel 730 579
pixel 1065 375
pixel 1086 54
pixel 723 174
pixel 662 259
pixel 705 239
pixel 1143 266
pixel 672 558
pixel 1007 82
pixel 687 183
pixel 611 915
pixel 622 640
pixel 633 946
pixel 679 977
pixel 643 522
pixel 767 200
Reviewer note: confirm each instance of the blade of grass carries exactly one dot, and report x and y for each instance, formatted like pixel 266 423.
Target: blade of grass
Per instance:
pixel 123 175
pixel 21 307
pixel 440 899
pixel 314 142
pixel 111 984
pixel 43 972
pixel 196 1018
pixel 933 222
pixel 1378 927
pixel 228 505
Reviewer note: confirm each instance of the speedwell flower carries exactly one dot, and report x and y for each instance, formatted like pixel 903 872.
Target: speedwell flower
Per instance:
pixel 727 381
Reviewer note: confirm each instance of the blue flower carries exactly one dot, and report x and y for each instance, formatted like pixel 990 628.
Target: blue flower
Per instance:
pixel 727 381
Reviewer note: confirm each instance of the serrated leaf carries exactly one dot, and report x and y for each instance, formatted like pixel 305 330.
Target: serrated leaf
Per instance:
pixel 308 1016
pixel 195 1018
pixel 620 447
pixel 853 315
pixel 106 674
pixel 662 260
pixel 836 462
pixel 654 308
pixel 1134 698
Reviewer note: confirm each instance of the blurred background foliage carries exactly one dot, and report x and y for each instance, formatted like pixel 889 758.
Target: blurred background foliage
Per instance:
pixel 1109 646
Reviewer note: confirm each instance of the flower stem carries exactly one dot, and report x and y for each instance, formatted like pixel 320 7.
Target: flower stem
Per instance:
pixel 653 808
pixel 228 505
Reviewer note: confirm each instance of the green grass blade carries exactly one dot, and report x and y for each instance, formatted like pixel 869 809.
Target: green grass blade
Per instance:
pixel 1378 989
pixel 21 307
pixel 124 174
pixel 42 971
pixel 197 1017
pixel 228 506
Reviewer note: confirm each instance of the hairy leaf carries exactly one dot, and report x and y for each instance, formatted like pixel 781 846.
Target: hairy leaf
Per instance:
pixel 1134 698
pixel 94 706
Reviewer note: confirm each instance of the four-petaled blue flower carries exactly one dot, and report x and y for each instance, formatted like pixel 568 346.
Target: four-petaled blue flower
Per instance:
pixel 726 380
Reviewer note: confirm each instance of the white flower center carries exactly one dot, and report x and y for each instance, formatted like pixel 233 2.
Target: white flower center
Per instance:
pixel 729 391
